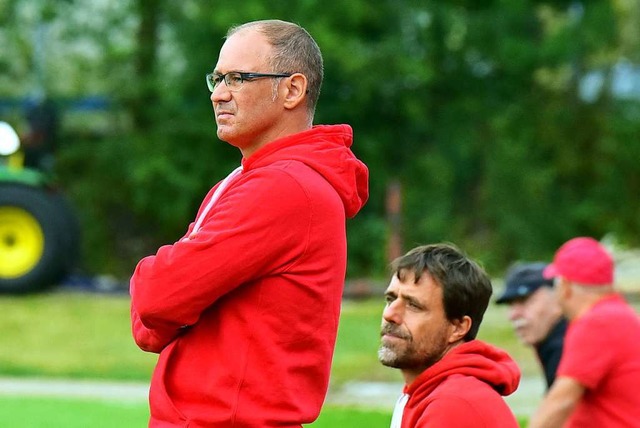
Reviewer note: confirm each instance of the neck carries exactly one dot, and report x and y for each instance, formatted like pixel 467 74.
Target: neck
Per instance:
pixel 410 374
pixel 586 304
pixel 276 134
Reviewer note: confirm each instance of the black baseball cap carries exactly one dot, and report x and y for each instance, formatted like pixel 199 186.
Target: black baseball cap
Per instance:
pixel 523 279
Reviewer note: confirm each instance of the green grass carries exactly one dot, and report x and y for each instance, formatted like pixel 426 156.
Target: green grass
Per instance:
pixel 87 336
pixel 70 335
pixel 357 345
pixel 51 412
pixel 77 335
pixel 332 417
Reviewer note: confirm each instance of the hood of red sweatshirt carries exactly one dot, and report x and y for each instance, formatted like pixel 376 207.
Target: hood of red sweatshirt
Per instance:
pixel 475 358
pixel 325 149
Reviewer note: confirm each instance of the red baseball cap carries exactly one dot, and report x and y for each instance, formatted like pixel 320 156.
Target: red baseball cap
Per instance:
pixel 582 260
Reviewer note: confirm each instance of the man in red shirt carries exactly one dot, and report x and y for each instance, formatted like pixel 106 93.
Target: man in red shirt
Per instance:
pixel 599 373
pixel 244 309
pixel 435 304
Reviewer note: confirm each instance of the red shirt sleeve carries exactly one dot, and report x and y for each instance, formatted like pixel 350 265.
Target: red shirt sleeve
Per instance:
pixel 258 227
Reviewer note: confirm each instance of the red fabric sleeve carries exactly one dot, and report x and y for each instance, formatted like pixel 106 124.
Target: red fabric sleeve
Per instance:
pixel 150 340
pixel 257 227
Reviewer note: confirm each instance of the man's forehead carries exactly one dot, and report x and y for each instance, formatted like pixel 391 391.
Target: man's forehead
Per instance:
pixel 246 50
pixel 407 283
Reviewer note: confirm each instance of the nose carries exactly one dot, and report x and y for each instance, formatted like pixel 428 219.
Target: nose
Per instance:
pixel 392 312
pixel 220 93
pixel 515 311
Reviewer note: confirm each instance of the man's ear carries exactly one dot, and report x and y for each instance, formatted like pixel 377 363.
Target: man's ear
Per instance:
pixel 459 328
pixel 295 90
pixel 564 288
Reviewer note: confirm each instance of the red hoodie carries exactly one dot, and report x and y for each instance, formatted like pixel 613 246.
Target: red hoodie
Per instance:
pixel 464 390
pixel 245 312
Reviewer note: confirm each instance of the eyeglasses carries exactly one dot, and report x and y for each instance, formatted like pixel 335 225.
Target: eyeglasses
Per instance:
pixel 234 79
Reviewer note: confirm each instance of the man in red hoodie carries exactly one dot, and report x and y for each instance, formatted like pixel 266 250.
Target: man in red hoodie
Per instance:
pixel 435 304
pixel 244 309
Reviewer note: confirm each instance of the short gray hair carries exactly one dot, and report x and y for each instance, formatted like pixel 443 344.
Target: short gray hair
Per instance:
pixel 294 51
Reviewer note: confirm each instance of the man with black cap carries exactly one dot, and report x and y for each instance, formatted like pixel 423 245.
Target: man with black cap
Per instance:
pixel 535 314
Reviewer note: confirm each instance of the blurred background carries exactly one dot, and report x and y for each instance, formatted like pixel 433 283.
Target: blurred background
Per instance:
pixel 504 126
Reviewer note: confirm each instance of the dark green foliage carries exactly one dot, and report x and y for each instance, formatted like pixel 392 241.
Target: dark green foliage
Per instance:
pixel 474 107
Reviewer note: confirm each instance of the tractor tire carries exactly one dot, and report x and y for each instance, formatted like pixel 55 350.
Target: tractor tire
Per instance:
pixel 35 241
pixel 71 238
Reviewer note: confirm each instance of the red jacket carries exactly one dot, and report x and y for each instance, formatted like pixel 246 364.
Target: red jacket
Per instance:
pixel 464 390
pixel 245 313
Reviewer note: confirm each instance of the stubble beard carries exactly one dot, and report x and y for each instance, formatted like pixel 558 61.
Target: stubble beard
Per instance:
pixel 404 355
pixel 397 355
pixel 407 358
pixel 388 357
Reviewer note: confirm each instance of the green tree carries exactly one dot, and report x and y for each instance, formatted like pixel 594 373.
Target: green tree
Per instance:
pixel 482 110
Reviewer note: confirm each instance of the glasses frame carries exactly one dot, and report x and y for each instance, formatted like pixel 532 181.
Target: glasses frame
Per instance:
pixel 248 76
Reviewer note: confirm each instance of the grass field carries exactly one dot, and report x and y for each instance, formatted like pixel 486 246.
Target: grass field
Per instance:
pixel 25 412
pixel 70 335
pixel 87 336
pixel 76 335
pixel 36 412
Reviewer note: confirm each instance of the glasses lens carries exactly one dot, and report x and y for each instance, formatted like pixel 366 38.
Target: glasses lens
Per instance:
pixel 211 82
pixel 233 81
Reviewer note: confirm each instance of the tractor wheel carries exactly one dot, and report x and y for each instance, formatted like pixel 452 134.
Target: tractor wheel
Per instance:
pixel 68 222
pixel 33 246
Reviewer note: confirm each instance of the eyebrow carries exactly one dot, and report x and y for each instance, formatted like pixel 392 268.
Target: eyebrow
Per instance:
pixel 216 71
pixel 411 299
pixel 414 301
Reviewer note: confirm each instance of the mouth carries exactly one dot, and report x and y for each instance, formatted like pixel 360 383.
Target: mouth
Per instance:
pixel 390 341
pixel 386 338
pixel 223 114
pixel 519 324
pixel 390 334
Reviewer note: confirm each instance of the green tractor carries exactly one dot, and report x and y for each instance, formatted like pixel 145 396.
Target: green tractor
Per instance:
pixel 39 231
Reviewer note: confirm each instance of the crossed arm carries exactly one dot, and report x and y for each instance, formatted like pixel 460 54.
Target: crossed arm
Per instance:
pixel 171 289
pixel 150 340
